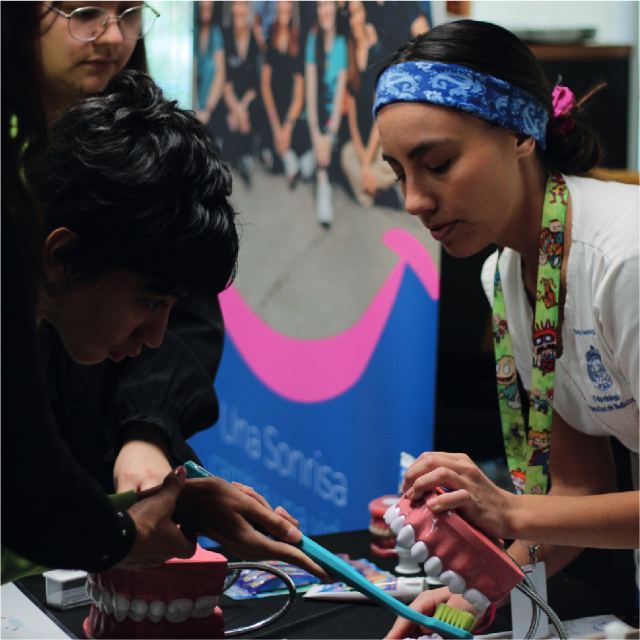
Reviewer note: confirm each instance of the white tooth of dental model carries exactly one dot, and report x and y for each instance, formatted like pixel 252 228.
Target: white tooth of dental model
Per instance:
pixel 433 566
pixel 93 590
pixel 454 581
pixel 156 610
pixel 138 610
pixel 120 607
pixel 177 610
pixel 476 599
pixel 397 524
pixel 391 514
pixel 97 592
pixel 136 617
pixel 203 606
pixel 419 552
pixel 185 605
pixel 406 537
pixel 106 600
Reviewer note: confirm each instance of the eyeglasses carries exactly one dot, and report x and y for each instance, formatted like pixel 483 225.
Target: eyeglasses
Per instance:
pixel 89 23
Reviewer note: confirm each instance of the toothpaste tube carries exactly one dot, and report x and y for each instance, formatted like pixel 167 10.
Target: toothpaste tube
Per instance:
pixel 403 588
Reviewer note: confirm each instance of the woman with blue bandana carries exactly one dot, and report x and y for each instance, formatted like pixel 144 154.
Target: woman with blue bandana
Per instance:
pixel 486 152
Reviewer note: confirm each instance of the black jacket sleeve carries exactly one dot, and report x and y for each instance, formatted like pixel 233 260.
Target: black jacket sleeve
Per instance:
pixel 171 387
pixel 53 512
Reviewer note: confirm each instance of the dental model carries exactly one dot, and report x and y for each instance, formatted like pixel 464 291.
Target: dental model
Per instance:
pixel 454 552
pixel 176 600
pixel 383 540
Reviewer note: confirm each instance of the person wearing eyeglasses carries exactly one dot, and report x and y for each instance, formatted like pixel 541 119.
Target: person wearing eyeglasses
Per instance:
pixel 79 48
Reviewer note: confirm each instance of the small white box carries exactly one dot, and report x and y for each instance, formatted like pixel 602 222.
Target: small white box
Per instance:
pixel 66 589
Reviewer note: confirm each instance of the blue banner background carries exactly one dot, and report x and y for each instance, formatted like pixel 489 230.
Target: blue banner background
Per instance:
pixel 325 461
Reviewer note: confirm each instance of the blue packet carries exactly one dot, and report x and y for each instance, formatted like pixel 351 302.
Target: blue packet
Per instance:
pixel 254 583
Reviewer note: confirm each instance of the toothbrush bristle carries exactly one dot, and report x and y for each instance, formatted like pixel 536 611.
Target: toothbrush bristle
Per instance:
pixel 455 617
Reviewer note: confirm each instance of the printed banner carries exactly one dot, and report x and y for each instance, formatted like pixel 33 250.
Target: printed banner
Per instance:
pixel 328 371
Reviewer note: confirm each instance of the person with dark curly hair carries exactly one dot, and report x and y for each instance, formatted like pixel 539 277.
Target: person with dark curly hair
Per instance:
pixel 135 216
pixel 486 152
pixel 130 182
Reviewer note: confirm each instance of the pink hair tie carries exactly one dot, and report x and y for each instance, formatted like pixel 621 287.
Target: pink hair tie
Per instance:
pixel 564 102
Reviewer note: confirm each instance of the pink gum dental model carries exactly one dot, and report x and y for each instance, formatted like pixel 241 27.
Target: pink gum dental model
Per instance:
pixel 453 551
pixel 175 600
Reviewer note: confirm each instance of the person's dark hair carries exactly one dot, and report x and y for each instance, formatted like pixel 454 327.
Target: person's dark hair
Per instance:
pixel 138 181
pixel 21 80
pixel 490 49
pixel 138 59
pixel 293 47
pixel 24 125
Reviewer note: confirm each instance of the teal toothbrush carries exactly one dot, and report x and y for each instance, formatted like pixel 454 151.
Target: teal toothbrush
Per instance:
pixel 348 574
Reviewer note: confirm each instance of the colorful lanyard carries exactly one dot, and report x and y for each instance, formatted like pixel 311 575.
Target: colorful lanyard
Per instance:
pixel 528 452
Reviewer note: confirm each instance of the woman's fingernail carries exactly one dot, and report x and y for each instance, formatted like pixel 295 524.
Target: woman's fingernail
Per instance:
pixel 293 535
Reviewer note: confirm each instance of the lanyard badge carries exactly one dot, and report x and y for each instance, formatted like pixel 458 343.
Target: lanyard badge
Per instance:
pixel 528 451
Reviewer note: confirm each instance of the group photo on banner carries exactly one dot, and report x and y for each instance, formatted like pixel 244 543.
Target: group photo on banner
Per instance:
pixel 336 286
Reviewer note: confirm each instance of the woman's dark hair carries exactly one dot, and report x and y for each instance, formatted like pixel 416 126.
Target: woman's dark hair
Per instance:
pixel 22 81
pixel 293 48
pixel 490 49
pixel 138 181
pixel 24 125
pixel 138 59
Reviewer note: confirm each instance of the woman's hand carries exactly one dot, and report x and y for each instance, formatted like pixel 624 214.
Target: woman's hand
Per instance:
pixel 322 146
pixel 250 491
pixel 471 492
pixel 284 142
pixel 142 462
pixel 244 121
pixel 233 123
pixel 426 603
pixel 158 537
pixel 278 139
pixel 230 515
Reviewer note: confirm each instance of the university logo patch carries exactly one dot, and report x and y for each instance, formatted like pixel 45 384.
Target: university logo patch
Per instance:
pixel 598 373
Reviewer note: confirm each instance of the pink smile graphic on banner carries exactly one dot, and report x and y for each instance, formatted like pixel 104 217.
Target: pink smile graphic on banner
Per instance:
pixel 318 425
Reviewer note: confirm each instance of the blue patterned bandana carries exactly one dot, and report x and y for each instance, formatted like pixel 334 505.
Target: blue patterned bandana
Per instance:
pixel 458 87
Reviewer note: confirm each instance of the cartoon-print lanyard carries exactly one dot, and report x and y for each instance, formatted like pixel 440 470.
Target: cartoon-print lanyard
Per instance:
pixel 528 453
